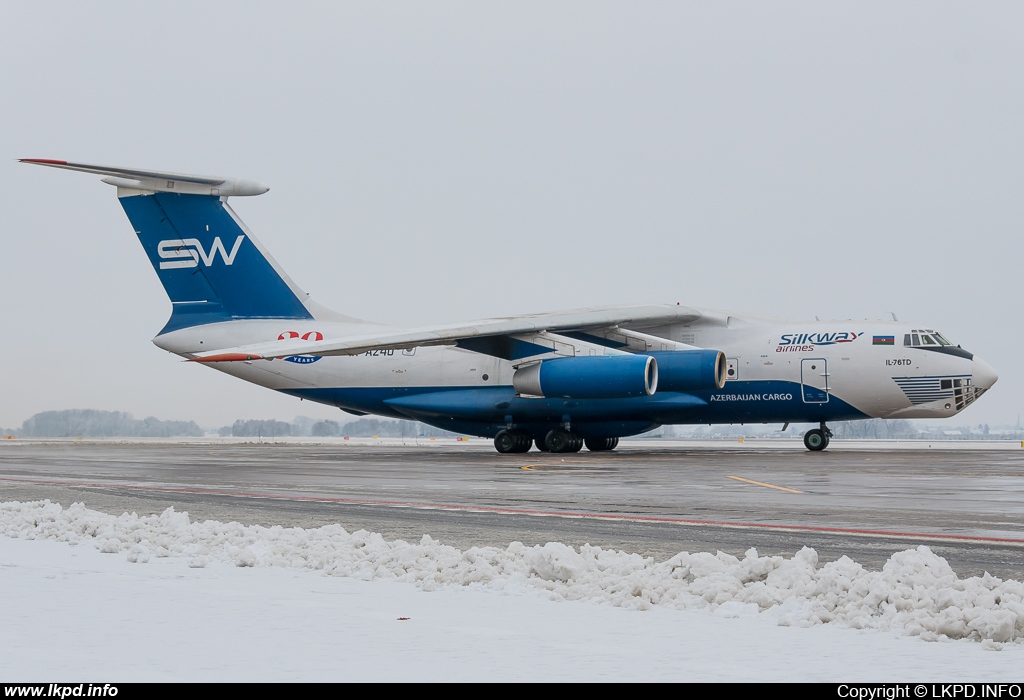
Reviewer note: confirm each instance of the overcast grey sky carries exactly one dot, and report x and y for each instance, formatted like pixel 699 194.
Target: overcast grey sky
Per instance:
pixel 435 162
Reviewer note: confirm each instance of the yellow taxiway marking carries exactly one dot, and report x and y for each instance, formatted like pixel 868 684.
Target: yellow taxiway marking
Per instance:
pixel 769 486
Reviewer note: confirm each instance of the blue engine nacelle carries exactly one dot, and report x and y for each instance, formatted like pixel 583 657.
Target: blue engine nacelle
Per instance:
pixel 598 377
pixel 690 370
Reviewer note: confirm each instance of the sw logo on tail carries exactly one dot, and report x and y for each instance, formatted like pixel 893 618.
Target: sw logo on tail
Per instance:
pixel 187 252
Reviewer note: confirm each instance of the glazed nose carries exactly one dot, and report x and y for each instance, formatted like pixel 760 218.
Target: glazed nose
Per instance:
pixel 984 376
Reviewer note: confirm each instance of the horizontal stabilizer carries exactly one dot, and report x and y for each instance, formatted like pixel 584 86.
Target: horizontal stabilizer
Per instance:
pixel 209 263
pixel 158 181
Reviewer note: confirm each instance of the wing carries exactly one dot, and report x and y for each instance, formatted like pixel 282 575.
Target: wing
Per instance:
pixel 510 338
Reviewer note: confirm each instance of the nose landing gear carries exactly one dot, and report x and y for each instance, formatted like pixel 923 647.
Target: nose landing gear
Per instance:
pixel 817 439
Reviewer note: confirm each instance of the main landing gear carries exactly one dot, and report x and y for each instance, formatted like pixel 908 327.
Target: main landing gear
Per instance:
pixel 561 440
pixel 817 439
pixel 601 444
pixel 557 440
pixel 512 441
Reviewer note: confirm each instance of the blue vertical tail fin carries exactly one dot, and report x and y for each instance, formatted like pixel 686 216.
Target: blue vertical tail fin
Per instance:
pixel 209 263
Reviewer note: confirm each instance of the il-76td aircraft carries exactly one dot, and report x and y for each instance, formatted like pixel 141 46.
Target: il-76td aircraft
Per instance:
pixel 555 380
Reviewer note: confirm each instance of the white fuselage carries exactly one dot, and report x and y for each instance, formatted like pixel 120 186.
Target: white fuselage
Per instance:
pixel 777 370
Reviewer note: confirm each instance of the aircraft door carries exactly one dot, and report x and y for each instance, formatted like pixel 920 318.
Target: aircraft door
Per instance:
pixel 814 380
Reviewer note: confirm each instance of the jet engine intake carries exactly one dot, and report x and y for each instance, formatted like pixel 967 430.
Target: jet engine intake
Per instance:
pixel 598 377
pixel 690 370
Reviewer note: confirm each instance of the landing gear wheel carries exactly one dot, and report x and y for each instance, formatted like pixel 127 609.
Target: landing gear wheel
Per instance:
pixel 541 445
pixel 577 443
pixel 559 440
pixel 815 440
pixel 512 442
pixel 525 442
pixel 601 444
pixel 505 442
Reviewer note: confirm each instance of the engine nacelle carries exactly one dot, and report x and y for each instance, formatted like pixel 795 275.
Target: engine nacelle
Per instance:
pixel 598 377
pixel 690 370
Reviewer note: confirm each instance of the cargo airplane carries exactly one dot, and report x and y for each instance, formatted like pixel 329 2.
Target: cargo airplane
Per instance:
pixel 555 380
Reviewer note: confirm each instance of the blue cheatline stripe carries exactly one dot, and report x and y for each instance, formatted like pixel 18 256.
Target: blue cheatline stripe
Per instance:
pixel 207 264
pixel 738 402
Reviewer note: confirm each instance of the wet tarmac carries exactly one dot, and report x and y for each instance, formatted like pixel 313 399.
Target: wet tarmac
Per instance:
pixel 657 500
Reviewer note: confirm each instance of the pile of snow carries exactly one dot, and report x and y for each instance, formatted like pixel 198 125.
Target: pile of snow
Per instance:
pixel 915 593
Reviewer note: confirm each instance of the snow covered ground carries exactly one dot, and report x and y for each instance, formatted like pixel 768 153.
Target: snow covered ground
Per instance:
pixel 88 596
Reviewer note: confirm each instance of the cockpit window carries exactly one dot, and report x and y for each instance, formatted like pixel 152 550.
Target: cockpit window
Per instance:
pixel 924 338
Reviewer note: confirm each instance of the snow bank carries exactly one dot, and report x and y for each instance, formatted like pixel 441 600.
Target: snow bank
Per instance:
pixel 915 593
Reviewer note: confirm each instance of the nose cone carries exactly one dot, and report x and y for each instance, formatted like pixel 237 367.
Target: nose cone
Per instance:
pixel 984 376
